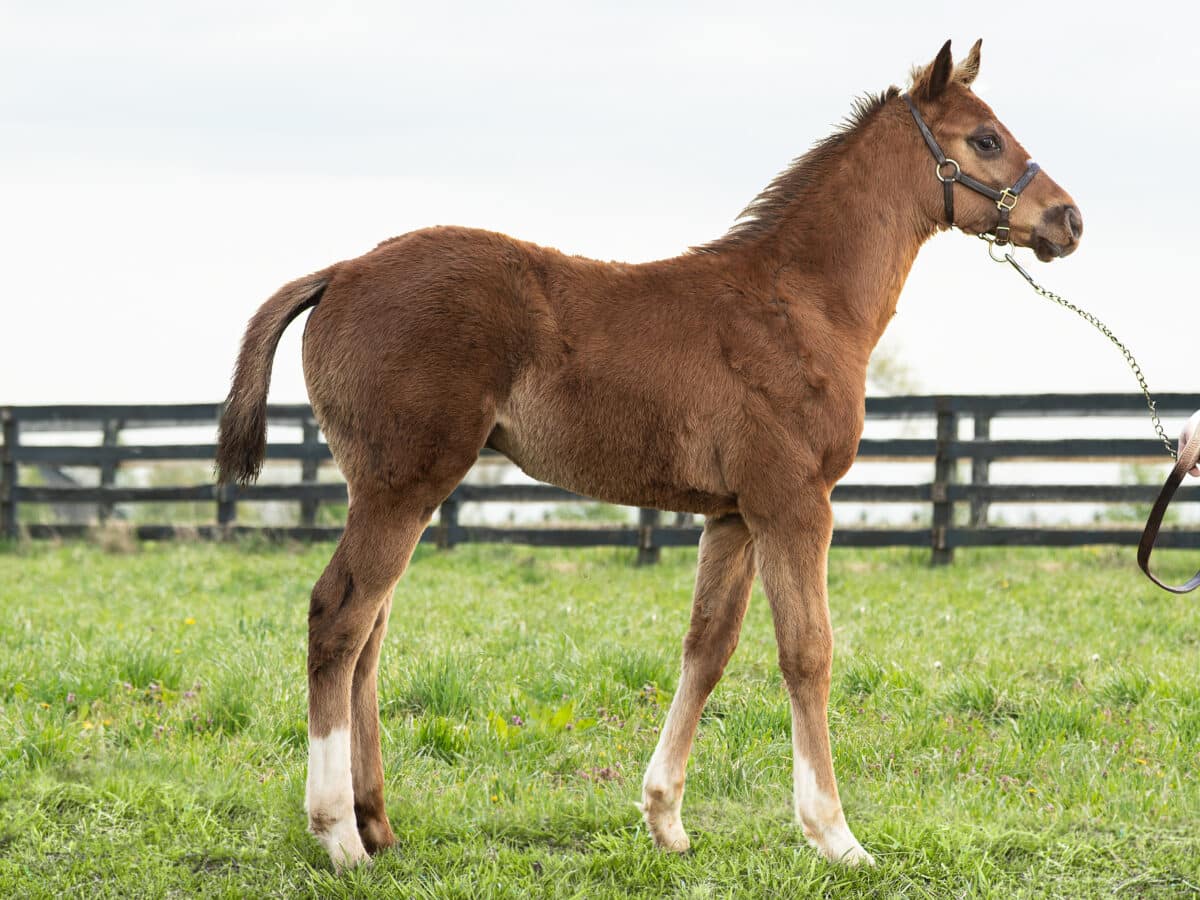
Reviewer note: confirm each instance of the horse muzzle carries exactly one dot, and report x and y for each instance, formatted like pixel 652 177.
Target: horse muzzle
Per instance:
pixel 1058 234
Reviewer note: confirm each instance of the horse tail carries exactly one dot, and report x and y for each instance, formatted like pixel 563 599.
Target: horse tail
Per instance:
pixel 242 439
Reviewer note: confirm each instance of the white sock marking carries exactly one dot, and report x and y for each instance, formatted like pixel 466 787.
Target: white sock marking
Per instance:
pixel 662 786
pixel 822 818
pixel 329 798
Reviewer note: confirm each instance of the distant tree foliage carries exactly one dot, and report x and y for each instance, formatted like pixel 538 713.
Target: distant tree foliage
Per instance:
pixel 888 373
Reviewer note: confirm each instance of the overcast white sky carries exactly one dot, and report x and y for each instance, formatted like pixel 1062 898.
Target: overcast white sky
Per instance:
pixel 165 167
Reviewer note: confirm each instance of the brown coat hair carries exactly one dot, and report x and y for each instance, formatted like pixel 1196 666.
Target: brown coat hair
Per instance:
pixel 727 381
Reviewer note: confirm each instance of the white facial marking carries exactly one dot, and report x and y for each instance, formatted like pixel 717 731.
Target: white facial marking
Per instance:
pixel 329 797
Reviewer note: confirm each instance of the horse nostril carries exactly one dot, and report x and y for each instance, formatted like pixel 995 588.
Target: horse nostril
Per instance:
pixel 1074 222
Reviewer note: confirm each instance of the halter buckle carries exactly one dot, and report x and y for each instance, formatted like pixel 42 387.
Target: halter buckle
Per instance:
pixel 937 170
pixel 1002 232
pixel 1007 201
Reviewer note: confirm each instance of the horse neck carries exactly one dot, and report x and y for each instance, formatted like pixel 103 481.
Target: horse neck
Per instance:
pixel 850 237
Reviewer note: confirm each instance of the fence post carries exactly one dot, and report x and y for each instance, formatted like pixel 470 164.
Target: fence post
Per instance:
pixel 8 475
pixel 447 535
pixel 308 471
pixel 108 469
pixel 944 473
pixel 648 554
pixel 226 504
pixel 979 473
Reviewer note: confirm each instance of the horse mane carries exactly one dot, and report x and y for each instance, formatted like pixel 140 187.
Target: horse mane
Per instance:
pixel 763 213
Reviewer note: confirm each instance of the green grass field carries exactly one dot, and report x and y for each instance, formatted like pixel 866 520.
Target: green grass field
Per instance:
pixel 1025 723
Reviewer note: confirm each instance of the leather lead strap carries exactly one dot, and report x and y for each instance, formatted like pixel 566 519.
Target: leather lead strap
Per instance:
pixel 1188 457
pixel 1005 200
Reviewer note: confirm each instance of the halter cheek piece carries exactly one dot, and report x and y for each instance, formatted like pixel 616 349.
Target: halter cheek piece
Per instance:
pixel 948 172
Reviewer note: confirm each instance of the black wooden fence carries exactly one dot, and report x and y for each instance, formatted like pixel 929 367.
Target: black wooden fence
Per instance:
pixel 944 493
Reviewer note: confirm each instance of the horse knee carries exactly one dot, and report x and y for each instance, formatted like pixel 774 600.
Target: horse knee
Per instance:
pixel 705 658
pixel 806 660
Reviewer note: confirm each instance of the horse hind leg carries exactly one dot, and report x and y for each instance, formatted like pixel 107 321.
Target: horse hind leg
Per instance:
pixel 724 577
pixel 346 621
pixel 365 752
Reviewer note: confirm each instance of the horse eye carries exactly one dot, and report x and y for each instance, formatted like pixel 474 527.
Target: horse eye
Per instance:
pixel 987 143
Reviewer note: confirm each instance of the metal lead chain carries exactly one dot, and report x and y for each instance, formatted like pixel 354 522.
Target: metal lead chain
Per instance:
pixel 1099 326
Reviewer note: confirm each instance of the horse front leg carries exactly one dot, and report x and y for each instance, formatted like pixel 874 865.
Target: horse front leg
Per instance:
pixel 724 576
pixel 792 551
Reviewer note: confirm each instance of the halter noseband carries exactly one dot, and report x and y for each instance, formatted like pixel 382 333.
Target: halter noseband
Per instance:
pixel 1005 199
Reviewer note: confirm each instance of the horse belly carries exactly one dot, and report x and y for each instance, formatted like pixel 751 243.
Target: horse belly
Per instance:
pixel 618 451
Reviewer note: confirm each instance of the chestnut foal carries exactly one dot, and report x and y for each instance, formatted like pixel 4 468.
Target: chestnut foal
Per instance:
pixel 728 381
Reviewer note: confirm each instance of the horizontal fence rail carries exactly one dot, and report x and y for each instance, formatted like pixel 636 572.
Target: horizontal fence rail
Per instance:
pixel 944 494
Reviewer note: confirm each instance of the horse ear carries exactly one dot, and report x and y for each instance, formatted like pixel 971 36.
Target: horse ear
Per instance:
pixel 936 75
pixel 967 69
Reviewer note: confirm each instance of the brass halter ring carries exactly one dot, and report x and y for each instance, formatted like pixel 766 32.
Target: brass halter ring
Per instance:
pixel 938 166
pixel 991 242
pixel 949 173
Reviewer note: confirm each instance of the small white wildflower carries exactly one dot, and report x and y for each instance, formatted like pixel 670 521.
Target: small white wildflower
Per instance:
pixel 937 664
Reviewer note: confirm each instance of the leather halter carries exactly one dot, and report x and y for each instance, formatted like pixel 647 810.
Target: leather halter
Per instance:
pixel 1005 198
pixel 1188 456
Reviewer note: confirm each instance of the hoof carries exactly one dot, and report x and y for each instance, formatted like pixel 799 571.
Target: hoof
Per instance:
pixel 344 859
pixel 376 836
pixel 665 828
pixel 341 841
pixel 839 846
pixel 673 842
pixel 855 856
